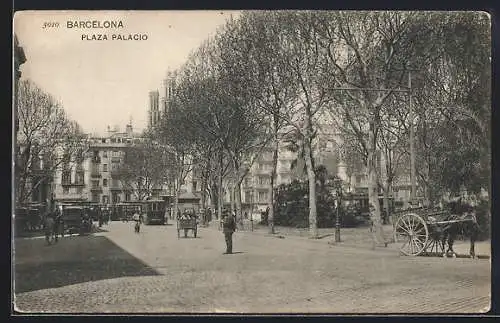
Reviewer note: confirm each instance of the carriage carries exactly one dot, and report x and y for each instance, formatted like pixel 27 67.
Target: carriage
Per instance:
pixel 187 221
pixel 76 219
pixel 427 230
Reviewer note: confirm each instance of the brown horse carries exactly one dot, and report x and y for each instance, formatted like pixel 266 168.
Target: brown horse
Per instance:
pixel 464 223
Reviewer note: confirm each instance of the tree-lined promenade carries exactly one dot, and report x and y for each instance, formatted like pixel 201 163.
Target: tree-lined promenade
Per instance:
pixel 267 77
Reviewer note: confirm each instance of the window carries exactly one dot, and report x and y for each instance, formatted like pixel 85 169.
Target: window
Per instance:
pixel 95 197
pixel 105 199
pixel 104 182
pixel 103 140
pixel 80 178
pixel 115 182
pixel 66 190
pixel 116 153
pixel 262 197
pixel 79 190
pixel 127 197
pixel 195 184
pixel 105 167
pixel 105 154
pixel 248 197
pixel 95 183
pixel 66 177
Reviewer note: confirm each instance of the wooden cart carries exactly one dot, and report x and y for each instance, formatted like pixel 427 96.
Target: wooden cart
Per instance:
pixel 187 221
pixel 421 230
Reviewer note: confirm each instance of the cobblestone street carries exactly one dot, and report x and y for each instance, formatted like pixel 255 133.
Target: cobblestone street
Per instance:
pixel 154 271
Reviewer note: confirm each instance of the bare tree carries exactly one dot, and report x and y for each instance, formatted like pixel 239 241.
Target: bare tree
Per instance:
pixel 143 170
pixel 46 139
pixel 362 49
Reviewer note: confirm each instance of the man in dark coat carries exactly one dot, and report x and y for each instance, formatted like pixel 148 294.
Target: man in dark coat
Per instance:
pixel 228 226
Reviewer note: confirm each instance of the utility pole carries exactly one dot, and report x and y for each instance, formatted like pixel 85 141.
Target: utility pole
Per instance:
pixel 413 181
pixel 413 172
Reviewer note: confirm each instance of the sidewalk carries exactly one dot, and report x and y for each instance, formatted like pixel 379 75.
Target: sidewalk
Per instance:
pixel 359 237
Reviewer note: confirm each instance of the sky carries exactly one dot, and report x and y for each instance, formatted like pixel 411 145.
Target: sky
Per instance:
pixel 106 82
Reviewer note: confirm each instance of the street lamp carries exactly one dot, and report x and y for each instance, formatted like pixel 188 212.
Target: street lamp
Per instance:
pixel 337 183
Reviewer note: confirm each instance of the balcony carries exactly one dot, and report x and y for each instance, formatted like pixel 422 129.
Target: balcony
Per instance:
pixel 95 174
pixel 115 188
pixel 115 159
pixel 69 183
pixel 96 189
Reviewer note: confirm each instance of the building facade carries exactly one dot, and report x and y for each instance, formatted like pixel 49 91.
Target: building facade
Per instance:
pixel 19 59
pixel 94 176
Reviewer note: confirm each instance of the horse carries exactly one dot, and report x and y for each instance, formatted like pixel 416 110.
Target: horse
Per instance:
pixel 466 224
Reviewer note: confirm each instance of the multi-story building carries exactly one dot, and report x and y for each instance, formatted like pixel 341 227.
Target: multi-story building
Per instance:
pixel 94 176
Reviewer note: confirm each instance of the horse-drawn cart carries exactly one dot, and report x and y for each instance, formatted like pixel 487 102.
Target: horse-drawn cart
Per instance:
pixel 429 230
pixel 187 221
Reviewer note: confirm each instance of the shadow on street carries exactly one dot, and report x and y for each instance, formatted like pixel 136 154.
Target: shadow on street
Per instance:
pixel 73 260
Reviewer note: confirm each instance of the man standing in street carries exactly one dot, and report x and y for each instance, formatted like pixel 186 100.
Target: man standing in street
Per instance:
pixel 228 226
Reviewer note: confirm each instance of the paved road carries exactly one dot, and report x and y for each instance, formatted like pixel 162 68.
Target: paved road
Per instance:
pixel 154 271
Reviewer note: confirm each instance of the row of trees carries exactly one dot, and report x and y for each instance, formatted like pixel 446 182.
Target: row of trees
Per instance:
pixel 46 139
pixel 268 76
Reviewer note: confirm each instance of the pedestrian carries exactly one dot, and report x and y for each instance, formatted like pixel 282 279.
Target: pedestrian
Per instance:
pixel 229 226
pixel 137 219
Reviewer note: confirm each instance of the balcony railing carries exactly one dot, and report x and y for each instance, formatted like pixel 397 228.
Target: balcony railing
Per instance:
pixel 96 189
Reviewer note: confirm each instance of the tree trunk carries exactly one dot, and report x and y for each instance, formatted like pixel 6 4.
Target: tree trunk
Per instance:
pixel 203 191
pixel 311 176
pixel 214 198
pixel 237 200
pixel 231 196
pixel 176 198
pixel 220 197
pixel 270 216
pixel 386 202
pixel 373 202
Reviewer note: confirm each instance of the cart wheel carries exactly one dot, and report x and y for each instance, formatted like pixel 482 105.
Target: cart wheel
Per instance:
pixel 411 230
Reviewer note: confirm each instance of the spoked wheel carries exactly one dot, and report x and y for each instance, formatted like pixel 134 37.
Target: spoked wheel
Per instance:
pixel 411 230
pixel 435 246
